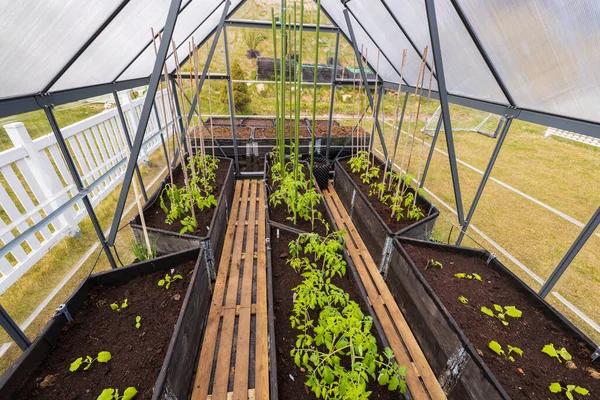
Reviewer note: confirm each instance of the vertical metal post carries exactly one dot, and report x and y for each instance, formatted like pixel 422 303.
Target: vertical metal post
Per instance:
pixel 79 184
pixel 377 108
pixel 128 139
pixel 399 132
pixel 332 98
pixel 162 136
pixel 443 93
pixel 431 150
pixel 364 78
pixel 585 234
pixel 145 115
pixel 13 330
pixel 231 104
pixel 484 179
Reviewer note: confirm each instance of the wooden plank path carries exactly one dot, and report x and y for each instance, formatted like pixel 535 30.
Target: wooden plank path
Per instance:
pixel 421 381
pixel 234 358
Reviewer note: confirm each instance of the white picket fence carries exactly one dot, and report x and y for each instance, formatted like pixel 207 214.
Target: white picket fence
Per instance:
pixel 35 181
pixel 592 141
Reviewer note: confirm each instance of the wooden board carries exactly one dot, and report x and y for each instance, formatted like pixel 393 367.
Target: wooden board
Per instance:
pixel 420 379
pixel 232 307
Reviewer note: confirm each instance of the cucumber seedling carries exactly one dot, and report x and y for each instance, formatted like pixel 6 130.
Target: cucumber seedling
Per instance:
pixel 497 348
pixel 166 282
pixel 118 308
pixel 138 322
pixel 473 276
pixel 502 313
pixel 555 387
pixel 434 263
pixel 113 394
pixel 103 357
pixel 558 354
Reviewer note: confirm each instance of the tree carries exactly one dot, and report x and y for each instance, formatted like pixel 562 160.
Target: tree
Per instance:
pixel 241 97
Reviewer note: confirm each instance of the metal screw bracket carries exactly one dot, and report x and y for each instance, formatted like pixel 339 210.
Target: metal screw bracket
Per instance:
pixel 62 309
pixel 490 258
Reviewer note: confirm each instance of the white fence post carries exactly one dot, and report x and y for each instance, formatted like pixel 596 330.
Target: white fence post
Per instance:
pixel 131 114
pixel 41 168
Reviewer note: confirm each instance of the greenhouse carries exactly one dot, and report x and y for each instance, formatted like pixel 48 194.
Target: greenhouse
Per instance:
pixel 294 199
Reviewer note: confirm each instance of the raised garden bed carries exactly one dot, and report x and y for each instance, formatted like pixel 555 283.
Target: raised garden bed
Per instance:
pixel 259 122
pixel 157 358
pixel 455 336
pixel 212 222
pixel 290 380
pixel 223 121
pixel 277 216
pixel 373 219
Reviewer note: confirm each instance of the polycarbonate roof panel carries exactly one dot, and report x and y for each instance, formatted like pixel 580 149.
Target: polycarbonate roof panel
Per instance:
pixel 116 46
pixel 335 10
pixel 189 20
pixel 389 38
pixel 545 50
pixel 464 67
pixel 39 37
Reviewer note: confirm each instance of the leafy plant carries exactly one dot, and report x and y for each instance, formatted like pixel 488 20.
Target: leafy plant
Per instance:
pixel 497 348
pixel 369 175
pixel 360 162
pixel 502 313
pixel 434 263
pixel 166 282
pixel 558 354
pixel 140 251
pixel 116 307
pixel 103 357
pixel 189 225
pixel 463 300
pixel 557 388
pixel 138 322
pixel 472 276
pixel 113 394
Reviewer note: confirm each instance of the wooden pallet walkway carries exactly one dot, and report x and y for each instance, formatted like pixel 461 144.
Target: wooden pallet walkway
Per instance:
pixel 234 358
pixel 421 381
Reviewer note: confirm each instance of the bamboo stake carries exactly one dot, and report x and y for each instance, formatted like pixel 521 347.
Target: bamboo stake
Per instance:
pixel 414 134
pixel 193 57
pixel 212 134
pixel 298 91
pixel 375 101
pixel 277 120
pixel 397 116
pixel 360 106
pixel 426 117
pixel 315 79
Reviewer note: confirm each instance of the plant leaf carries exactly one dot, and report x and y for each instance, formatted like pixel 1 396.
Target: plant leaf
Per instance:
pixel 569 395
pixel 394 383
pixel 496 347
pixel 582 391
pixel 565 354
pixel 460 275
pixel 124 305
pixel 487 311
pixel 477 277
pixel 129 393
pixel 107 394
pixel 550 350
pixel 75 364
pixel 328 375
pixel 498 308
pixel 555 387
pixel 161 282
pixel 114 306
pixel 104 356
pixel 177 277
pixel 515 350
pixel 513 312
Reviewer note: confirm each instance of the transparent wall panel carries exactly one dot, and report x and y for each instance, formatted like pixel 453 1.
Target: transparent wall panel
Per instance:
pixel 388 37
pixel 545 50
pixel 335 11
pixel 193 16
pixel 117 45
pixel 40 37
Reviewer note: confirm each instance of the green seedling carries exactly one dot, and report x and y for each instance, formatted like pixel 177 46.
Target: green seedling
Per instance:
pixel 118 308
pixel 103 357
pixel 434 263
pixel 138 322
pixel 557 388
pixel 502 313
pixel 463 300
pixel 497 348
pixel 113 394
pixel 472 276
pixel 141 252
pixel 166 283
pixel 558 354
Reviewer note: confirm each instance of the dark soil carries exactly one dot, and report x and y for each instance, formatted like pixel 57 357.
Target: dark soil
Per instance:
pixel 384 211
pixel 530 332
pixel 336 130
pixel 224 121
pixel 280 214
pixel 259 122
pixel 137 354
pixel 155 216
pixel 285 336
pixel 224 132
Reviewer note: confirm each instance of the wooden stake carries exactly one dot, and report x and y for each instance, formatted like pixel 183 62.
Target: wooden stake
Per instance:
pixel 396 118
